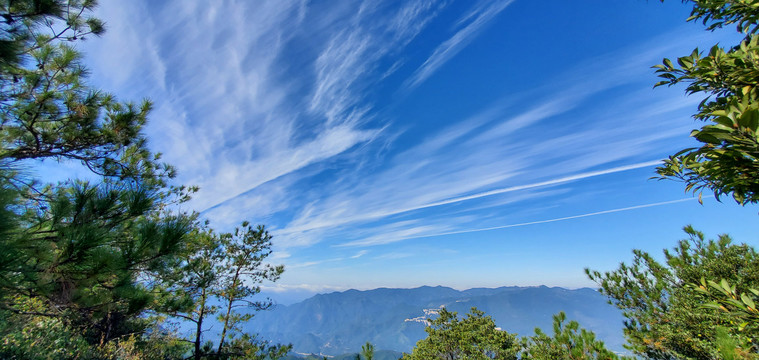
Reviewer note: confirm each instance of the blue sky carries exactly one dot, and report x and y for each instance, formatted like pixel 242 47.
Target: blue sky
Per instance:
pixel 407 143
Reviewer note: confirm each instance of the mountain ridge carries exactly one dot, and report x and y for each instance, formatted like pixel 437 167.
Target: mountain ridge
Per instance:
pixel 340 322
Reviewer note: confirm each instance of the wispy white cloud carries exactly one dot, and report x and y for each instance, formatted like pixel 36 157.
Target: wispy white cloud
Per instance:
pixel 118 67
pixel 354 52
pixel 230 125
pixel 228 118
pixel 360 254
pixel 392 239
pixel 212 93
pixel 544 183
pixel 481 15
pixel 341 219
pixel 394 255
pixel 335 259
pixel 279 255
pixel 412 18
pixel 238 178
pixel 274 114
pixel 495 152
pixel 305 264
pixel 393 236
pixel 470 156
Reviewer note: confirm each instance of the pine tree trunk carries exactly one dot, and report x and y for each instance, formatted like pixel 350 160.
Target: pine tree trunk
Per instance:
pixel 229 310
pixel 199 328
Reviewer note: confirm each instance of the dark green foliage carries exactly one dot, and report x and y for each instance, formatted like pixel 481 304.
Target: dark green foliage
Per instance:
pixel 46 108
pixel 718 13
pixel 474 337
pixel 219 274
pixel 26 335
pixel 367 351
pixel 82 253
pixel 727 162
pixel 21 17
pixel 249 347
pixel 740 308
pixel 667 315
pixel 699 305
pixel 87 268
pixel 240 273
pixel 569 341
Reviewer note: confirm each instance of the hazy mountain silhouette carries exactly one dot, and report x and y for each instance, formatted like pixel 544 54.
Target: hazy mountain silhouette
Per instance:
pixel 391 319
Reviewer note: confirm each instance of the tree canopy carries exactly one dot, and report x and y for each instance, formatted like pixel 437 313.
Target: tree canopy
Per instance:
pixel 93 269
pixel 48 111
pixel 727 162
pixel 569 341
pixel 665 309
pixel 475 337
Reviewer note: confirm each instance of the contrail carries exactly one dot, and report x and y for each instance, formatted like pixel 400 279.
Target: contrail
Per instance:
pixel 567 217
pixel 385 213
pixel 358 243
pixel 543 183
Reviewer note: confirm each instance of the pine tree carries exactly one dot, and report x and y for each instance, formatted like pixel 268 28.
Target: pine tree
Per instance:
pixel 569 341
pixel 474 337
pixel 367 351
pixel 220 274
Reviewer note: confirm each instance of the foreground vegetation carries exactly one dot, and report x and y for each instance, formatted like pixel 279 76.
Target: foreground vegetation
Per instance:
pixel 672 312
pixel 100 269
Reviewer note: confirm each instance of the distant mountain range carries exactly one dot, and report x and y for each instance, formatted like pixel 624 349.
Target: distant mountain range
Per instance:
pixel 392 319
